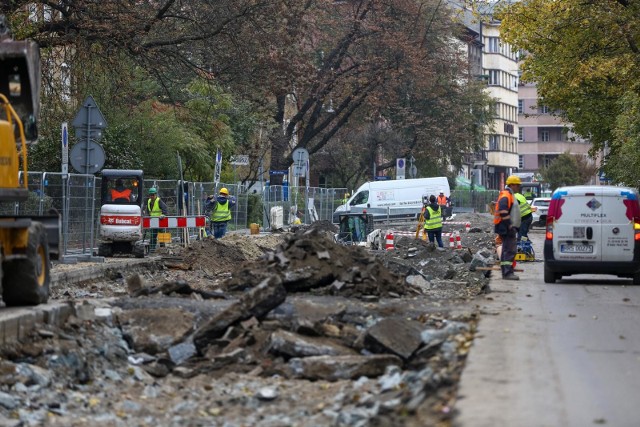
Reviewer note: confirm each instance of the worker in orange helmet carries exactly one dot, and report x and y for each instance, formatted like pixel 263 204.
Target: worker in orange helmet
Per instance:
pixel 506 223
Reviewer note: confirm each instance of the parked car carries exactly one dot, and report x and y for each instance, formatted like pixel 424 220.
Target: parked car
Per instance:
pixel 593 230
pixel 540 215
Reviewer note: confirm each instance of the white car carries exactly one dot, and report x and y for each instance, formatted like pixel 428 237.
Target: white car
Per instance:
pixel 540 216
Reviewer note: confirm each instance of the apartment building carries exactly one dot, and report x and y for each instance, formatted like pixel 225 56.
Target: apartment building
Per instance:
pixel 541 135
pixel 500 66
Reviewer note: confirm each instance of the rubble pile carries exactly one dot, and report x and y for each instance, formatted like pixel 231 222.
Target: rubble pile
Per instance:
pixel 287 329
pixel 309 260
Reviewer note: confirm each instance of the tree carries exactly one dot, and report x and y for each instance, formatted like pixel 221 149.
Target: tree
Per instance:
pixel 308 66
pixel 584 57
pixel 567 169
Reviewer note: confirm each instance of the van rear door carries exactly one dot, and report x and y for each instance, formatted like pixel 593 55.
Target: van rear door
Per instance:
pixel 577 232
pixel 617 225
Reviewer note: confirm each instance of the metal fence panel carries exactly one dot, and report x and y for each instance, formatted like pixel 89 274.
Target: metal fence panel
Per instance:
pixel 473 201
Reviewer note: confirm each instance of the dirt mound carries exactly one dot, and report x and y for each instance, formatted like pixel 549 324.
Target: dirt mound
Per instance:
pixel 223 255
pixel 310 260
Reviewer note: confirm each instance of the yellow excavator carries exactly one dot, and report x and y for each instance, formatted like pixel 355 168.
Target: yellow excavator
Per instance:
pixel 27 243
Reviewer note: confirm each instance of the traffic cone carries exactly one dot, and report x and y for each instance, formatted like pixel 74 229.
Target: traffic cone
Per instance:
pixel 389 242
pixel 452 243
pixel 467 227
pixel 458 240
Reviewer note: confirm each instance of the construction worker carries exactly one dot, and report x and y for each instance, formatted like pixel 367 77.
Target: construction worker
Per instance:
pixel 433 221
pixel 119 193
pixel 526 216
pixel 155 208
pixel 220 209
pixel 345 199
pixel 506 222
pixel 443 202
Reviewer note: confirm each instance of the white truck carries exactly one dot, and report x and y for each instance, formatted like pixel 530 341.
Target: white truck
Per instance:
pixel 393 199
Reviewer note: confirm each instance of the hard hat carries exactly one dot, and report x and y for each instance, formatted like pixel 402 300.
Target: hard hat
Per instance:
pixel 224 191
pixel 441 191
pixel 512 179
pixel 153 190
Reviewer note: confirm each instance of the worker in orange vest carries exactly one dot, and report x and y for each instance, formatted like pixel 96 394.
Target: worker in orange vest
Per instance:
pixel 119 193
pixel 443 202
pixel 506 222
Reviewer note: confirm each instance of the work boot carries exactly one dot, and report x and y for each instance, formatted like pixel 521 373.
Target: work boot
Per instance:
pixel 511 277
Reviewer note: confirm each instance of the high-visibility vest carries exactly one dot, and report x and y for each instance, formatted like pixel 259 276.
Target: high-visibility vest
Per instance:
pixel 525 207
pixel 153 207
pixel 497 218
pixel 442 200
pixel 221 212
pixel 435 219
pixel 124 194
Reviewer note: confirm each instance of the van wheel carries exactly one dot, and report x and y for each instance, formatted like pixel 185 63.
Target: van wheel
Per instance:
pixel 549 276
pixel 636 278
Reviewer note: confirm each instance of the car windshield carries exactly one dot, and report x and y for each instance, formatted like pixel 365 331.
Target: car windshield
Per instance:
pixel 542 203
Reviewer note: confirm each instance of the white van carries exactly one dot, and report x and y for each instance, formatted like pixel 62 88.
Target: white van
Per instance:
pixel 399 198
pixel 592 230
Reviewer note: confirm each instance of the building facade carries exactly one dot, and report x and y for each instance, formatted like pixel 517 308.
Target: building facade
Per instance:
pixel 541 135
pixel 500 68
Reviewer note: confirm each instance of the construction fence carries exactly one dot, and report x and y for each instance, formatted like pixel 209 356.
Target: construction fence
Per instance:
pixel 77 198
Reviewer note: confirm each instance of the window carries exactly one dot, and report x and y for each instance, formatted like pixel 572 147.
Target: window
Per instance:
pixel 494 77
pixel 544 109
pixel 360 198
pixel 494 44
pixel 493 142
pixel 520 162
pixel 520 134
pixel 544 136
pixel 520 106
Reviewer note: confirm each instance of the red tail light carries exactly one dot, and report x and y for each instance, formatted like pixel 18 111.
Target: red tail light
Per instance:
pixel 549 229
pixel 636 228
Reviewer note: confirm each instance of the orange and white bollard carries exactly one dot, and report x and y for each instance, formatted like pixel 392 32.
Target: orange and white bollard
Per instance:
pixel 389 242
pixel 458 240
pixel 467 227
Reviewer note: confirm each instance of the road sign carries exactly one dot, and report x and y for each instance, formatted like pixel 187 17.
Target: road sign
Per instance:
pixel 400 167
pixel 278 172
pixel 300 158
pixel 240 160
pixel 87 157
pixel 89 121
pixel 413 171
pixel 65 147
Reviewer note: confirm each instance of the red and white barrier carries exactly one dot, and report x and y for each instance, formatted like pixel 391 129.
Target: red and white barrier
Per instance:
pixel 452 243
pixel 389 242
pixel 174 222
pixel 458 240
pixel 467 227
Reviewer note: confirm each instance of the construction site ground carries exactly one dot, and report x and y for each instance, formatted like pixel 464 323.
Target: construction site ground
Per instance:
pixel 275 329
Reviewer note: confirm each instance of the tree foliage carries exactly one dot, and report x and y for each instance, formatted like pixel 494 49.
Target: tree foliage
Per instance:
pixel 584 57
pixel 567 169
pixel 258 77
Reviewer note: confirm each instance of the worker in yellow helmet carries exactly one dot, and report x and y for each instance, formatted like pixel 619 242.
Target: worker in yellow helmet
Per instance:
pixel 220 211
pixel 506 222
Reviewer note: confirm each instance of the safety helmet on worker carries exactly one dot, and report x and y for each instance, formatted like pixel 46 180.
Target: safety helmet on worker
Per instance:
pixel 224 191
pixel 441 191
pixel 513 179
pixel 153 190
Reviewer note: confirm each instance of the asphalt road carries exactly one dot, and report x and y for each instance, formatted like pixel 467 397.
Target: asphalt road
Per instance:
pixel 566 354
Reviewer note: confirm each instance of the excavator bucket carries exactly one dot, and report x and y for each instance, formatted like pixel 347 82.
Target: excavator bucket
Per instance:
pixel 20 80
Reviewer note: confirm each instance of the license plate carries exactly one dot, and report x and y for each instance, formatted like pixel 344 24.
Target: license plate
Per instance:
pixel 576 249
